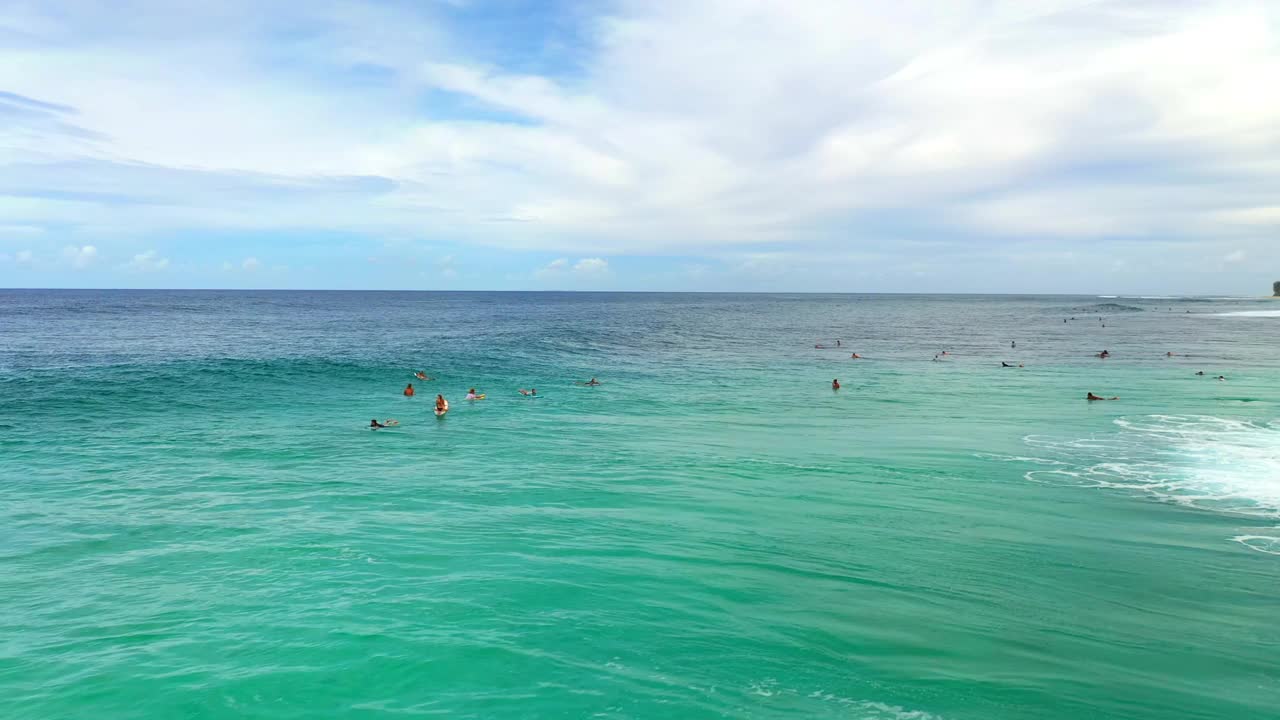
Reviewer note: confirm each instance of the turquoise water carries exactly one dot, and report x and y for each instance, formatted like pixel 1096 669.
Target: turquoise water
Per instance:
pixel 195 521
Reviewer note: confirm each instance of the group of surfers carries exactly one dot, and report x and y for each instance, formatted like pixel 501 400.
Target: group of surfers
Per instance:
pixel 835 384
pixel 442 405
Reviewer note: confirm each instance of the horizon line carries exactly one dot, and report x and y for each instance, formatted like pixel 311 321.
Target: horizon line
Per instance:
pixel 1129 296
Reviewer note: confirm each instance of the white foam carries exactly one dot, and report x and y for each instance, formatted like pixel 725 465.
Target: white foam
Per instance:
pixel 1250 313
pixel 1210 463
pixel 1268 544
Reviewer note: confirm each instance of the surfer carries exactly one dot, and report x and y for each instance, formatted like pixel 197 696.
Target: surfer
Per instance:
pixel 421 375
pixel 855 356
pixel 1200 373
pixel 374 424
pixel 442 405
pixel 408 390
pixel 1104 354
pixel 1091 396
pixel 1004 364
pixel 592 382
pixel 531 392
pixel 835 384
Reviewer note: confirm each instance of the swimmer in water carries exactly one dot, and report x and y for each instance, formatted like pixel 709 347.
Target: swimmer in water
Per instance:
pixel 855 356
pixel 1104 354
pixel 1200 373
pixel 471 394
pixel 835 384
pixel 408 391
pixel 1221 377
pixel 1013 344
pixel 421 375
pixel 531 392
pixel 592 382
pixel 1004 364
pixel 1091 396
pixel 1168 354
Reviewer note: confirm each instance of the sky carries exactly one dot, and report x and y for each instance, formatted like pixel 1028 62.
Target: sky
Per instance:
pixel 1091 146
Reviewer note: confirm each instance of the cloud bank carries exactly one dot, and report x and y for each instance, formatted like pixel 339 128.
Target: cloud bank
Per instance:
pixel 816 144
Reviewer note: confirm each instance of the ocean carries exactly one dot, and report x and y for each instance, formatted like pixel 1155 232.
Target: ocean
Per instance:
pixel 197 522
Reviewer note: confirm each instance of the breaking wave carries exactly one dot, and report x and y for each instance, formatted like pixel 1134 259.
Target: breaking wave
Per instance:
pixel 1209 463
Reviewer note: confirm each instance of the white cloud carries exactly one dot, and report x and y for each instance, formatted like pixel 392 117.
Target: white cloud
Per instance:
pixel 583 268
pixel 80 257
pixel 1235 256
pixel 553 269
pixel 250 264
pixel 149 261
pixel 692 128
pixel 591 266
pixel 24 257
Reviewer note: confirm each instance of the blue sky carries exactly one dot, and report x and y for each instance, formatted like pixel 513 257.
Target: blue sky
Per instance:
pixel 829 145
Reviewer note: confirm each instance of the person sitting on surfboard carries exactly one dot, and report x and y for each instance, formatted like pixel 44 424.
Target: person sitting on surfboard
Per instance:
pixel 1091 396
pixel 442 405
pixel 408 391
pixel 835 384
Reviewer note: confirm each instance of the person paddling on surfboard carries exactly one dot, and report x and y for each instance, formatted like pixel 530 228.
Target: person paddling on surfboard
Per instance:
pixel 531 392
pixel 1091 396
pixel 592 382
pixel 408 391
pixel 374 424
pixel 421 375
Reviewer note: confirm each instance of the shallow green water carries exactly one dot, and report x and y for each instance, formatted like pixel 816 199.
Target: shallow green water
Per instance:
pixel 195 521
